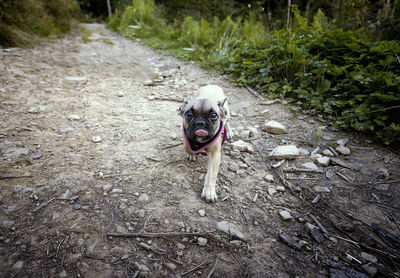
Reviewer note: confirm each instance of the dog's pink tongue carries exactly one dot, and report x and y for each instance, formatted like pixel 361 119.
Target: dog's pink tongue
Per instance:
pixel 201 132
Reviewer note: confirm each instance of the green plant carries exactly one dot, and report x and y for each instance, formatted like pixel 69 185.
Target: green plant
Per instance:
pixel 337 74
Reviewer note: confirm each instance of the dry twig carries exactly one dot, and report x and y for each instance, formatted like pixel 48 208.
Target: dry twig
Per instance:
pixel 42 205
pixel 212 270
pixel 301 170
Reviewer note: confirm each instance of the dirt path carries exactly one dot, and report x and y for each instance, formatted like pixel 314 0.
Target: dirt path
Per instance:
pixel 87 144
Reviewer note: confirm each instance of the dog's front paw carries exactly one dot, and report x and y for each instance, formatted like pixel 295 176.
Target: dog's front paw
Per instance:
pixel 191 157
pixel 209 195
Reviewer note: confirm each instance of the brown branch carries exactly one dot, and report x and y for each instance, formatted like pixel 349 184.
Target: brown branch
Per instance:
pixel 257 95
pixel 15 177
pixel 301 170
pixel 194 268
pixel 212 270
pixel 42 205
pixel 168 234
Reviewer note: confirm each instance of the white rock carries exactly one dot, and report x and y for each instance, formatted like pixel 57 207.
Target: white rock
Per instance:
pixel 202 212
pixel 107 187
pixel 343 150
pixel 18 265
pixel 62 274
pixel 96 139
pixel 315 156
pixel 269 178
pixel 245 134
pixel 280 188
pixel 253 132
pixel 180 246
pixel 342 142
pixel 230 229
pixel 285 152
pixel 310 165
pixel 323 161
pixel 77 79
pixel 202 241
pixel 327 152
pixel 74 117
pixel 265 112
pixel 304 152
pixel 274 127
pixel 242 146
pixel 121 229
pixel 369 257
pixel 170 266
pixel 285 215
pixel 271 191
pixel 141 213
pixel 321 189
pixel 144 198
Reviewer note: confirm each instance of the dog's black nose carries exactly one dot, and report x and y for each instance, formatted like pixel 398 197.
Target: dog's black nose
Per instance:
pixel 200 124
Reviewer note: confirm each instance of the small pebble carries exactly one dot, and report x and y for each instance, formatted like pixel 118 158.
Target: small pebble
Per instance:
pixel 96 139
pixel 202 241
pixel 343 150
pixel 202 212
pixel 285 215
pixel 280 188
pixel 77 206
pixel 271 191
pixel 144 198
pixel 269 178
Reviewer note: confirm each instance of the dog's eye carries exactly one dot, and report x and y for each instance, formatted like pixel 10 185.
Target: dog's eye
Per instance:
pixel 214 116
pixel 188 115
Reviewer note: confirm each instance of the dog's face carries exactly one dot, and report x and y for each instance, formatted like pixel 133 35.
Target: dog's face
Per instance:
pixel 202 117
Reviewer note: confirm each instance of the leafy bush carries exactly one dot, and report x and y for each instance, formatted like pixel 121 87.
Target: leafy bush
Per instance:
pixel 37 17
pixel 338 74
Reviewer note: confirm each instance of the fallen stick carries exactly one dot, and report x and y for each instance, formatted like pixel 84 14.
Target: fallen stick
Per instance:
pixel 301 170
pixel 212 270
pixel 169 234
pixel 171 146
pixel 42 205
pixel 319 224
pixel 257 95
pixel 248 164
pixel 14 177
pixel 285 183
pixel 194 268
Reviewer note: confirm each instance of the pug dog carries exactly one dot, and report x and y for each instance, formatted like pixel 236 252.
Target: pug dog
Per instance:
pixel 205 127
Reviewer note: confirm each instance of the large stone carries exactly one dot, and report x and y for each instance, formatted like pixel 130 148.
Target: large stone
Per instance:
pixel 343 150
pixel 76 79
pixel 310 165
pixel 285 215
pixel 274 127
pixel 144 198
pixel 230 229
pixel 242 146
pixel 323 161
pixel 285 152
pixel 321 189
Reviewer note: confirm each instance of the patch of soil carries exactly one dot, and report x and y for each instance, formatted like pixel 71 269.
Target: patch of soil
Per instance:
pixel 90 144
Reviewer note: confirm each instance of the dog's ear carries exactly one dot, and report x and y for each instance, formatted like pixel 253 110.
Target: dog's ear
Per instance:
pixel 182 108
pixel 223 112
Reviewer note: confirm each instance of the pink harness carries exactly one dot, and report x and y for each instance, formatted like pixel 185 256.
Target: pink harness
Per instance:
pixel 201 147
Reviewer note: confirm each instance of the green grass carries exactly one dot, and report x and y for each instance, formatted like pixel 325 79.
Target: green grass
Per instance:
pixel 337 74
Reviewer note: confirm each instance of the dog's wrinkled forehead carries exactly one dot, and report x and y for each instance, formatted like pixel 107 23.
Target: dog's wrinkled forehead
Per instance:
pixel 202 105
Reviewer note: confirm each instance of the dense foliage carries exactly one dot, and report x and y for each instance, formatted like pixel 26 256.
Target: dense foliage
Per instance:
pixel 19 19
pixel 338 74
